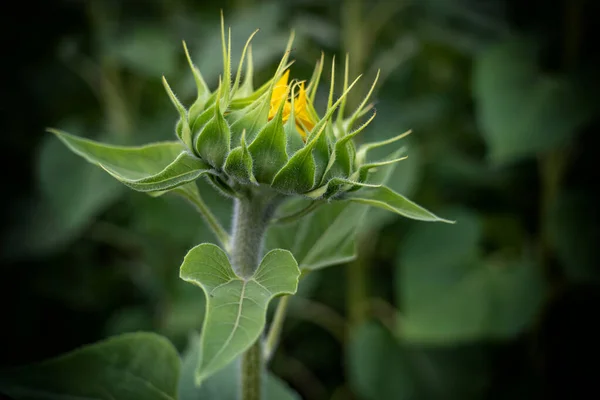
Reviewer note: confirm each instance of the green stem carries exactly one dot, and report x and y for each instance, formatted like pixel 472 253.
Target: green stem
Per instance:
pixel 209 217
pixel 252 213
pixel 251 216
pixel 276 327
pixel 252 371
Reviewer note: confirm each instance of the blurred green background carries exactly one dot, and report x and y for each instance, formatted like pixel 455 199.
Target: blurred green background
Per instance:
pixel 501 97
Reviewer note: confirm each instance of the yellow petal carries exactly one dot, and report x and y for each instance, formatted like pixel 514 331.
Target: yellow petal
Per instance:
pixel 287 109
pixel 304 122
pixel 300 103
pixel 280 90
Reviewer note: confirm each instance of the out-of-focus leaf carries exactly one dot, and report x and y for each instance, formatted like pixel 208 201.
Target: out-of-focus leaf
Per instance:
pixel 72 194
pixel 224 384
pixel 379 368
pixel 522 111
pixel 146 50
pixel 241 303
pixel 129 319
pixel 134 366
pixel 383 367
pixel 574 230
pixel 323 238
pixel 321 30
pixel 449 294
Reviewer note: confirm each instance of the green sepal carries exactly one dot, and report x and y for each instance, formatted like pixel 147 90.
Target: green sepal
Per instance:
pixel 213 140
pixel 365 172
pixel 150 168
pixel 241 102
pixel 249 119
pixel 386 198
pixel 335 187
pixel 268 149
pixel 294 141
pixel 322 154
pixel 361 153
pixel 298 175
pixel 182 129
pixel 239 163
pixel 198 123
pixel 203 92
pixel 362 174
pixel 330 110
pixel 341 160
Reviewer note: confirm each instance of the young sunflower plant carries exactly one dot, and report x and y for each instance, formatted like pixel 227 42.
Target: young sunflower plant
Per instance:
pixel 264 148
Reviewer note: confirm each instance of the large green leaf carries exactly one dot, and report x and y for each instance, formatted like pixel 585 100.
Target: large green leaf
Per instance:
pixel 224 384
pixel 136 366
pixel 323 238
pixel 379 368
pixel 235 307
pixel 151 168
pixel 72 193
pixel 450 294
pixel 383 367
pixel 522 111
pixel 386 198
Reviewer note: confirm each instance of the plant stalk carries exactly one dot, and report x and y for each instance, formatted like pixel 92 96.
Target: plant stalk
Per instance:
pixel 250 220
pixel 252 372
pixel 276 327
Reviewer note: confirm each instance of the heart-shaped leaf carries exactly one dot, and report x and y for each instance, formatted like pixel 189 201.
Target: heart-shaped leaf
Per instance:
pixel 235 307
pixel 150 168
pixel 136 366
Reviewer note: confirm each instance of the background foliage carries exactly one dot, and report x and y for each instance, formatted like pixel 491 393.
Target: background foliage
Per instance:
pixel 500 95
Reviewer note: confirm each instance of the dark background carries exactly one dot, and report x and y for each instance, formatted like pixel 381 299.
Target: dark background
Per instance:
pixel 501 97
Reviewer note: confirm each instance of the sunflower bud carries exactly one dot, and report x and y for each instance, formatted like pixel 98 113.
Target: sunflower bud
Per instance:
pixel 273 137
pixel 269 140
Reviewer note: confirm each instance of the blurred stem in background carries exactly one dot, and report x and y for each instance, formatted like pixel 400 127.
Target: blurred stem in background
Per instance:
pixel 553 164
pixel 110 85
pixel 353 41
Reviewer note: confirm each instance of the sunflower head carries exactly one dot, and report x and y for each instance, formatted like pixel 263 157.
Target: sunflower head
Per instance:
pixel 272 137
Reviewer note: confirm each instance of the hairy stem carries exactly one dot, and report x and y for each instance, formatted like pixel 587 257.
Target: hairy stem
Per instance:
pixel 252 372
pixel 250 220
